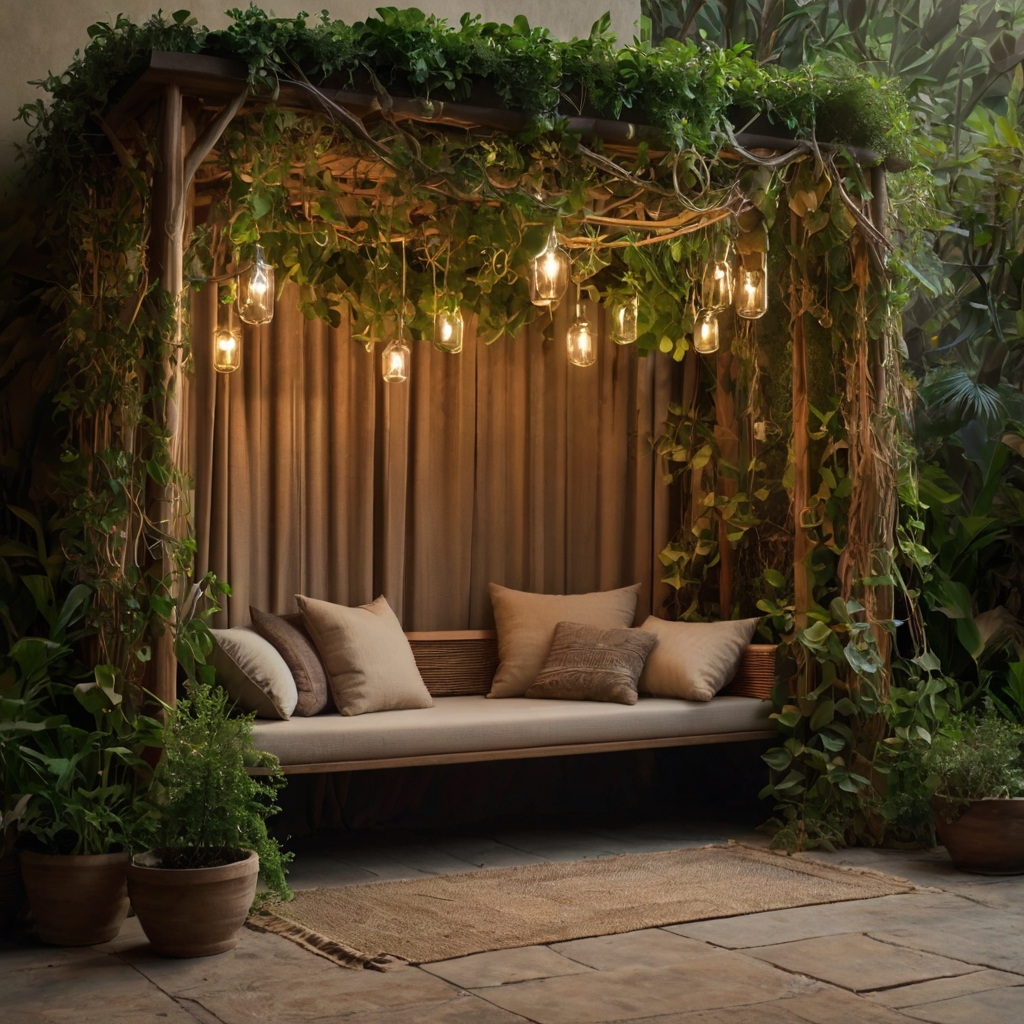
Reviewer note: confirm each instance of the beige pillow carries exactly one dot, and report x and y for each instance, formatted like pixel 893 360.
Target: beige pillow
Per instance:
pixel 591 663
pixel 694 660
pixel 526 624
pixel 252 671
pixel 367 656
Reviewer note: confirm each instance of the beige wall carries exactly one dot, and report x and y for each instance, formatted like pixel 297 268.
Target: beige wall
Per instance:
pixel 42 35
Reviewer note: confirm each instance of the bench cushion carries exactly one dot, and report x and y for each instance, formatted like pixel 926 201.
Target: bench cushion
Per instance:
pixel 472 723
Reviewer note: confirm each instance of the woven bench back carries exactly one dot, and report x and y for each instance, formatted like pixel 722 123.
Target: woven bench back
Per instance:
pixel 463 662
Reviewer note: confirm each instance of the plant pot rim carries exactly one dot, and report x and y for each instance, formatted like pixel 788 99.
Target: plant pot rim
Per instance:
pixel 191 876
pixel 982 799
pixel 74 858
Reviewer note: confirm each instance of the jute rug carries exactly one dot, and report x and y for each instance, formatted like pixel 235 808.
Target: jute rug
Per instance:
pixel 447 916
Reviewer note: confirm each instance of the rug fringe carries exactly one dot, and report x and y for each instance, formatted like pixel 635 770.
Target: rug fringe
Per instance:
pixel 800 857
pixel 330 949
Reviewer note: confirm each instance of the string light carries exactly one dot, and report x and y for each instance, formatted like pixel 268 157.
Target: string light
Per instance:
pixel 579 341
pixel 752 289
pixel 256 291
pixel 624 316
pixel 705 332
pixel 549 274
pixel 227 341
pixel 396 356
pixel 448 327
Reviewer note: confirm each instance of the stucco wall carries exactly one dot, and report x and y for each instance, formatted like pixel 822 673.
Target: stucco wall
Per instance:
pixel 42 35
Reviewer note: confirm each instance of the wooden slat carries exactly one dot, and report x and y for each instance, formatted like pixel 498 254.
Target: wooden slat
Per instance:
pixel 756 675
pixel 515 754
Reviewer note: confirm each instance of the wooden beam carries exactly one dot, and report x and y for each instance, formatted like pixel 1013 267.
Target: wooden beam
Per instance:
pixel 727 437
pixel 801 435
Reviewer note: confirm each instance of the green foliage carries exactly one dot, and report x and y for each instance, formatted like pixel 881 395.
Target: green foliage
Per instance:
pixel 977 758
pixel 208 807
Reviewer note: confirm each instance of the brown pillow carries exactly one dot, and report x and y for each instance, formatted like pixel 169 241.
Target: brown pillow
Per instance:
pixel 292 641
pixel 591 663
pixel 694 660
pixel 368 659
pixel 526 624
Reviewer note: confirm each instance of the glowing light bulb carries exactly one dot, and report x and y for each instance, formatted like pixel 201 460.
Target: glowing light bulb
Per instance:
pixel 256 291
pixel 752 293
pixel 579 343
pixel 624 316
pixel 716 285
pixel 448 328
pixel 705 332
pixel 549 274
pixel 227 351
pixel 395 362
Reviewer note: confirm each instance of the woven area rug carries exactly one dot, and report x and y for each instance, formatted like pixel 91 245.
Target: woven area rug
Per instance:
pixel 447 916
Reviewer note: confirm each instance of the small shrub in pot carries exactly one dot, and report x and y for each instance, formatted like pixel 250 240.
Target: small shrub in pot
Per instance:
pixel 193 890
pixel 976 769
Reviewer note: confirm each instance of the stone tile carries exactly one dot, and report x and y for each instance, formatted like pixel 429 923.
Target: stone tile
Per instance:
pixel 651 947
pixel 699 983
pixel 776 926
pixel 315 871
pixel 857 962
pixel 975 934
pixel 943 988
pixel 558 845
pixel 757 1013
pixel 289 997
pixel 834 1006
pixel 30 954
pixel 487 853
pixel 463 1009
pixel 90 990
pixel 503 966
pixel 997 1006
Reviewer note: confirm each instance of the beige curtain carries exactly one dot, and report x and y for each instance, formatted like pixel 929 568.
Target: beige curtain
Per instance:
pixel 504 463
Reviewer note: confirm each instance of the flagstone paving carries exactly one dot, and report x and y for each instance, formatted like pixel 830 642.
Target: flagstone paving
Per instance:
pixel 951 952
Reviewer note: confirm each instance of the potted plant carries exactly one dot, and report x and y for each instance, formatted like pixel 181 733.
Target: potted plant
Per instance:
pixel 72 760
pixel 976 770
pixel 193 891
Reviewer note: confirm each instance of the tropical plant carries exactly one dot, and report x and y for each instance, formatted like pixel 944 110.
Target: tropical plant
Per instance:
pixel 208 807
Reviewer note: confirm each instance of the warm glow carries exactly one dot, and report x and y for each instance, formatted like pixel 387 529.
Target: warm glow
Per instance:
pixel 256 291
pixel 227 351
pixel 705 332
pixel 549 274
pixel 716 285
pixel 448 327
pixel 623 317
pixel 579 343
pixel 395 362
pixel 752 292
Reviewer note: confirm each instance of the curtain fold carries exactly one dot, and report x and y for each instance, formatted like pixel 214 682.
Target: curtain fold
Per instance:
pixel 501 464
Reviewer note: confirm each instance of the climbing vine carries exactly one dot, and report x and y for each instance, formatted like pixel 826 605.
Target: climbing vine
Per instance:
pixel 335 203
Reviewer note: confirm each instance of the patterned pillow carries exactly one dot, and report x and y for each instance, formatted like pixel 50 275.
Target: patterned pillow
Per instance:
pixel 591 663
pixel 290 639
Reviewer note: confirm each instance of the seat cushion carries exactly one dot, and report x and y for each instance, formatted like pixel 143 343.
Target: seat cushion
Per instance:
pixel 468 724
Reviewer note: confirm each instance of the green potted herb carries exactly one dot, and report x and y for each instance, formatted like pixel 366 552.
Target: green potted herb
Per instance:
pixel 976 768
pixel 193 891
pixel 72 760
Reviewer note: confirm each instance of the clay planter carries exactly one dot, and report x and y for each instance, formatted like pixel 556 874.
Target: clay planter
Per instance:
pixel 987 838
pixel 193 911
pixel 76 900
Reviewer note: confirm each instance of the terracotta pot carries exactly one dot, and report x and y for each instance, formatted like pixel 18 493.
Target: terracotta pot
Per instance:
pixel 986 837
pixel 76 900
pixel 193 911
pixel 12 894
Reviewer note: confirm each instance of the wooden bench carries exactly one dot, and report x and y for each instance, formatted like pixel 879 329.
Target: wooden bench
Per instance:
pixel 457 668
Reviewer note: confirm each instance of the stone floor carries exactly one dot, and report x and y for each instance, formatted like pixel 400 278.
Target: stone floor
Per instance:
pixel 951 952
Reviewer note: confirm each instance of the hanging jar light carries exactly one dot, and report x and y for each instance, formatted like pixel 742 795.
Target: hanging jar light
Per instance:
pixel 227 341
pixel 705 332
pixel 448 327
pixel 716 286
pixel 396 356
pixel 256 291
pixel 624 316
pixel 580 341
pixel 549 274
pixel 752 287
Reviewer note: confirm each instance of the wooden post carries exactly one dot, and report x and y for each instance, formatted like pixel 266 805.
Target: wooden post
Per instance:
pixel 727 436
pixel 801 438
pixel 167 249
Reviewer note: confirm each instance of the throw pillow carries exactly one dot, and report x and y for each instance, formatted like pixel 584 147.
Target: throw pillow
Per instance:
pixel 591 663
pixel 253 672
pixel 290 639
pixel 368 659
pixel 526 625
pixel 694 660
